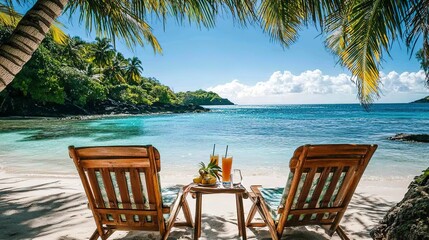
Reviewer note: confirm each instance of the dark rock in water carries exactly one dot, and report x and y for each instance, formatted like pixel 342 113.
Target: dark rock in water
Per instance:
pixel 409 219
pixel 411 137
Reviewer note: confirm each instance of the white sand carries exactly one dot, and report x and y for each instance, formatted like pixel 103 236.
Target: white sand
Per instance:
pixel 54 207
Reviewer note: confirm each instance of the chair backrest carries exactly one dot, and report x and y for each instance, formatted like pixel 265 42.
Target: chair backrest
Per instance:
pixel 322 181
pixel 122 185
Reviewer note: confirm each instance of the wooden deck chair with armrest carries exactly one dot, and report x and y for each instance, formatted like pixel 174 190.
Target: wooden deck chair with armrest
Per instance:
pixel 320 186
pixel 123 190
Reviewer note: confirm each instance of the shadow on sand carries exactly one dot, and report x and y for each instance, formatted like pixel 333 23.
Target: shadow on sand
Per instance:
pixel 27 212
pixel 48 209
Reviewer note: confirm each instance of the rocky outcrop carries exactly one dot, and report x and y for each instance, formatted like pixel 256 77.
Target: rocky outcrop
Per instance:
pixel 411 137
pixel 409 219
pixel 108 107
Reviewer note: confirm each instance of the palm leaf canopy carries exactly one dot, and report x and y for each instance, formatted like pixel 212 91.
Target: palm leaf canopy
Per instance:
pixel 417 22
pixel 127 19
pixel 359 32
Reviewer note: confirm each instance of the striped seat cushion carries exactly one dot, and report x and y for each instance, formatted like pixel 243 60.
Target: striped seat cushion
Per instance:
pixel 169 195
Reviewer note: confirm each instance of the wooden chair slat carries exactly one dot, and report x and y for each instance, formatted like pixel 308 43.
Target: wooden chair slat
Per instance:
pixel 345 186
pixel 151 191
pixel 318 190
pixel 96 192
pixel 304 192
pixel 126 211
pixel 328 194
pixel 136 188
pixel 112 152
pixel 314 210
pixel 116 163
pixel 337 150
pixel 110 192
pixel 124 192
pixel 331 162
pixel 128 228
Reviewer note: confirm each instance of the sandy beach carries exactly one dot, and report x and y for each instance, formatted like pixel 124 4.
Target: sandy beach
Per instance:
pixel 55 207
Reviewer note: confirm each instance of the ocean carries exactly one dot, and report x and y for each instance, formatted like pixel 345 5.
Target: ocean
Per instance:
pixel 260 138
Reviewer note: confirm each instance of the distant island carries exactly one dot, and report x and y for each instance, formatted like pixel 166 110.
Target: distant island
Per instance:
pixel 201 97
pixel 92 78
pixel 423 100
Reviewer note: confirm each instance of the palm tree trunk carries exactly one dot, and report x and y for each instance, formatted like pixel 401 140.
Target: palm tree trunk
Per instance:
pixel 26 38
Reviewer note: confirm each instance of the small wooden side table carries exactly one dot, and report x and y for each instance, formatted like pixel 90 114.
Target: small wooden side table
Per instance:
pixel 240 193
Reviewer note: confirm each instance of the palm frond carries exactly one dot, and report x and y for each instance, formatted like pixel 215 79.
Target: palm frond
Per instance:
pixel 127 19
pixel 57 34
pixel 360 39
pixel 417 22
pixel 114 19
pixel 281 20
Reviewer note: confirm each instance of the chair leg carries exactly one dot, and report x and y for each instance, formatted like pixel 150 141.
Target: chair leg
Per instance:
pixel 187 213
pixel 95 235
pixel 182 204
pixel 341 233
pixel 268 221
pixel 105 235
pixel 251 215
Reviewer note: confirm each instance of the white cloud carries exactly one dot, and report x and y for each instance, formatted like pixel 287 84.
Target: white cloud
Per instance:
pixel 313 86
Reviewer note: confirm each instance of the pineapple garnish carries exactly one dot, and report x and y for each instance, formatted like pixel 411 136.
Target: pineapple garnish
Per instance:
pixel 208 173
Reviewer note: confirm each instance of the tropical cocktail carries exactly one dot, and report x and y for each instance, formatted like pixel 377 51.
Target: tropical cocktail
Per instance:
pixel 226 170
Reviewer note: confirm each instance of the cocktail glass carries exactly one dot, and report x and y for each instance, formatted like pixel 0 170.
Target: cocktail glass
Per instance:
pixel 226 170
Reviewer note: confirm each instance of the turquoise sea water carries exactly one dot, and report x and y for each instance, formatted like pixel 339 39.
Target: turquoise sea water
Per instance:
pixel 260 138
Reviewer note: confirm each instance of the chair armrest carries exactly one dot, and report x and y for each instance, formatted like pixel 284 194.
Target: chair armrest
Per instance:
pixel 255 190
pixel 187 188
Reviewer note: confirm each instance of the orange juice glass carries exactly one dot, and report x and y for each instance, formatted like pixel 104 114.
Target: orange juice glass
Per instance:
pixel 226 169
pixel 215 159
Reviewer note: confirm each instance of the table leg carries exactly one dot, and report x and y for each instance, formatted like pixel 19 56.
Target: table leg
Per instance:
pixel 240 215
pixel 198 206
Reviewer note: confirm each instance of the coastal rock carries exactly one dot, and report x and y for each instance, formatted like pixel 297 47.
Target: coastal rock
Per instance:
pixel 409 219
pixel 411 137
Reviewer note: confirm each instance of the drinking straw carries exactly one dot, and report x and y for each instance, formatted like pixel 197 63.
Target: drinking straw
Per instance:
pixel 226 152
pixel 214 147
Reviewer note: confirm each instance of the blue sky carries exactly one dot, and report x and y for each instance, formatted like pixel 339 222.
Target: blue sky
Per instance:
pixel 219 58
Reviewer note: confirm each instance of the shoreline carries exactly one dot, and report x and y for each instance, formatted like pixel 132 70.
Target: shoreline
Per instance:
pixel 54 207
pixel 118 109
pixel 90 117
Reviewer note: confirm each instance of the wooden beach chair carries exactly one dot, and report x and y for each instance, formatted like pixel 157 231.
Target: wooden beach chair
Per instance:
pixel 320 186
pixel 123 190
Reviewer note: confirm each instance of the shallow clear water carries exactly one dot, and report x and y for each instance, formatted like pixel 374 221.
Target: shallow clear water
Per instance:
pixel 261 138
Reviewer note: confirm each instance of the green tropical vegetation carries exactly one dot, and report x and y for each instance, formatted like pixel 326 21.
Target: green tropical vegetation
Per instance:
pixel 85 75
